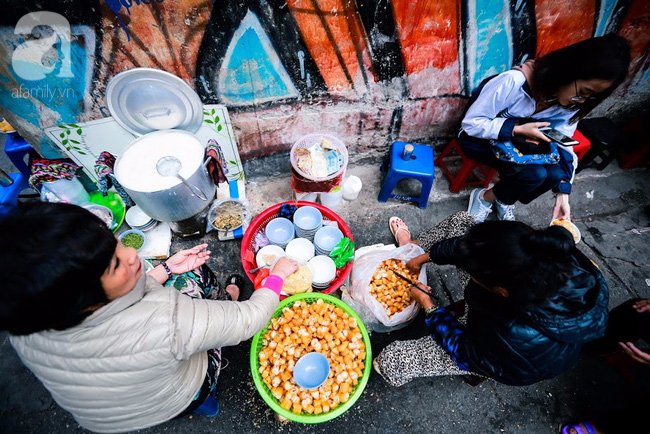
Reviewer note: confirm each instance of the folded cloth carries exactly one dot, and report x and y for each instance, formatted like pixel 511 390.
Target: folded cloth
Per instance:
pixel 50 171
pixel 104 170
pixel 217 165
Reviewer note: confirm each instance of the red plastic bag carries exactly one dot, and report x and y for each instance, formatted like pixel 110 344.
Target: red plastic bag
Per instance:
pixel 259 277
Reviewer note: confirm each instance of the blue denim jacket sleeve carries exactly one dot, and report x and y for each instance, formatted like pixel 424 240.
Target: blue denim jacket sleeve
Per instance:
pixel 449 334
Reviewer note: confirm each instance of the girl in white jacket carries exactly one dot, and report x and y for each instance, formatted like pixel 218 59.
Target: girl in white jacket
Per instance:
pixel 114 346
pixel 555 90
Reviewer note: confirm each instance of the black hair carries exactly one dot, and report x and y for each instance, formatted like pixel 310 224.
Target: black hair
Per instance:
pixel 605 57
pixel 52 258
pixel 531 264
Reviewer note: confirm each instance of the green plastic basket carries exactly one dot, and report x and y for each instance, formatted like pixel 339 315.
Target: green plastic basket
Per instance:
pixel 310 297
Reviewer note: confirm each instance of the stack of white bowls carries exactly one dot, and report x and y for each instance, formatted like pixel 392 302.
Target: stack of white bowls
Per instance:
pixel 137 219
pixel 326 238
pixel 307 220
pixel 300 249
pixel 323 271
pixel 279 231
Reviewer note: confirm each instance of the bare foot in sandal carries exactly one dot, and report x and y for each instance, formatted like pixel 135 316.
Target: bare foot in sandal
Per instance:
pixel 234 285
pixel 233 290
pixel 400 231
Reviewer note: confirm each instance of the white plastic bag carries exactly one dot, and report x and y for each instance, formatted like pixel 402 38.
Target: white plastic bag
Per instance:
pixel 362 272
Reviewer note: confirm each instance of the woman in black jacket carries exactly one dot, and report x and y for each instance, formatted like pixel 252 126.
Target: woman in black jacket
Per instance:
pixel 532 300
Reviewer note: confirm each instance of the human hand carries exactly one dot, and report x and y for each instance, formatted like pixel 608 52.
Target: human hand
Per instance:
pixel 562 209
pixel 284 267
pixel 642 306
pixel 188 259
pixel 635 353
pixel 414 266
pixel 532 132
pixel 420 297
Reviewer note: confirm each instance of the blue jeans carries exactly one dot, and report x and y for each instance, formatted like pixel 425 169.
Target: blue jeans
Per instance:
pixel 517 182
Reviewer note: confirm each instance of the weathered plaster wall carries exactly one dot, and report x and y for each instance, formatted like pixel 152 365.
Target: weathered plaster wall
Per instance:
pixel 371 71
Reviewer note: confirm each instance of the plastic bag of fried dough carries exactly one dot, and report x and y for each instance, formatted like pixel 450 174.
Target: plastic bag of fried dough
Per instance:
pixel 373 285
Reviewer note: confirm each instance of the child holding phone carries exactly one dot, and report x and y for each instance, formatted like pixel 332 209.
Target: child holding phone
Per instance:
pixel 556 90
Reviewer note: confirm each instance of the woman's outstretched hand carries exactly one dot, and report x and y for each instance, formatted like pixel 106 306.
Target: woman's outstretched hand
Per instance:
pixel 642 305
pixel 188 259
pixel 562 210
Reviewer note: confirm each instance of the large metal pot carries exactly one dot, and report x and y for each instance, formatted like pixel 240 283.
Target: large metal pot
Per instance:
pixel 166 198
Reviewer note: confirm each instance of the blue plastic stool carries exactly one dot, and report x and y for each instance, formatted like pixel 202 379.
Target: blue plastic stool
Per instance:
pixel 9 194
pixel 419 167
pixel 16 148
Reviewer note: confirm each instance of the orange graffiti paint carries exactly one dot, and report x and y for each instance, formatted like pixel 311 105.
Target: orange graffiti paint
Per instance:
pixel 563 22
pixel 336 40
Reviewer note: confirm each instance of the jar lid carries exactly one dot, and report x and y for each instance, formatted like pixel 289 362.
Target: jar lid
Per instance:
pixel 143 100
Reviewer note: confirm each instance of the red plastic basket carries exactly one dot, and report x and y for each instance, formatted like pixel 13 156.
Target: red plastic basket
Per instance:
pixel 259 223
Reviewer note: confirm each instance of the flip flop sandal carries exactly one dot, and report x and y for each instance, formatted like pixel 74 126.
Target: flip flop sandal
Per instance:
pixel 237 280
pixel 578 429
pixel 402 227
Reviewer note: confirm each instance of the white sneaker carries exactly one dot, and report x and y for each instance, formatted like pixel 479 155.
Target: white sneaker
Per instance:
pixel 478 208
pixel 505 212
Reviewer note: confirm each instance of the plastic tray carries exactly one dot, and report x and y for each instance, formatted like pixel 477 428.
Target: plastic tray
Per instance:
pixel 259 223
pixel 256 346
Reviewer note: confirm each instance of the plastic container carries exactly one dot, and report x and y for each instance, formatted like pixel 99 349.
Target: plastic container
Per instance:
pixel 65 190
pixel 259 223
pixel 332 200
pixel 352 187
pixel 264 391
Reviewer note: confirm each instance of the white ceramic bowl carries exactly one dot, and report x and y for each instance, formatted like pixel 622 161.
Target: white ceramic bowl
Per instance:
pixel 307 217
pixel 137 219
pixel 269 250
pixel 322 269
pixel 300 249
pixel 279 231
pixel 327 237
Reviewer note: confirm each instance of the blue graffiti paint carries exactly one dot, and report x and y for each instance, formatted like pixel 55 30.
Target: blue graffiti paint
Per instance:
pixel 251 71
pixel 488 39
pixel 116 6
pixel 609 16
pixel 21 107
pixel 64 95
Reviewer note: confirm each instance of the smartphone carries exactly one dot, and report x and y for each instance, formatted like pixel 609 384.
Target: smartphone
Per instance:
pixel 558 137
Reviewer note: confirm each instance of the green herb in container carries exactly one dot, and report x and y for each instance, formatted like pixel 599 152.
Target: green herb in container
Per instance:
pixel 132 238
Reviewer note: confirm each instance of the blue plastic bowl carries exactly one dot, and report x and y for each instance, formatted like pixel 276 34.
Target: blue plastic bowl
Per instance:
pixel 311 370
pixel 327 237
pixel 307 217
pixel 279 231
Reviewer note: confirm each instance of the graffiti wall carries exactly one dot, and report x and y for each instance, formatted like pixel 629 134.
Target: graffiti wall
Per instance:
pixel 370 71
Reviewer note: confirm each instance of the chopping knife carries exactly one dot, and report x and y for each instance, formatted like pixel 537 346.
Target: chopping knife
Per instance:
pixel 406 279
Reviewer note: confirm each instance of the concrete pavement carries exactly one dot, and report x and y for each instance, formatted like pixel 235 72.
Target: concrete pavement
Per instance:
pixel 611 208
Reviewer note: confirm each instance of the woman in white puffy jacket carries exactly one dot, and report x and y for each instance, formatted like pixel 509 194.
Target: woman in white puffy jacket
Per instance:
pixel 115 347
pixel 555 90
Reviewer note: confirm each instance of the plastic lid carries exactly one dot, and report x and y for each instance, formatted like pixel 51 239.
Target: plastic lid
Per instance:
pixel 143 100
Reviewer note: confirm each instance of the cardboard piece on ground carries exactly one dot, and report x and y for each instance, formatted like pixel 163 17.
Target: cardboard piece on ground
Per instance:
pixel 158 242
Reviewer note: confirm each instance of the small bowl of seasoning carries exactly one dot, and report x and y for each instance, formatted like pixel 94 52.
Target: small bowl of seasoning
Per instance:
pixel 133 238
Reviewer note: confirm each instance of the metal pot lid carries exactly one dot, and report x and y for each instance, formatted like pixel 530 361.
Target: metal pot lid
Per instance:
pixel 143 100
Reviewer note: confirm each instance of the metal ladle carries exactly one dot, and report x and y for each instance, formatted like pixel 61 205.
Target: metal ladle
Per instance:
pixel 171 166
